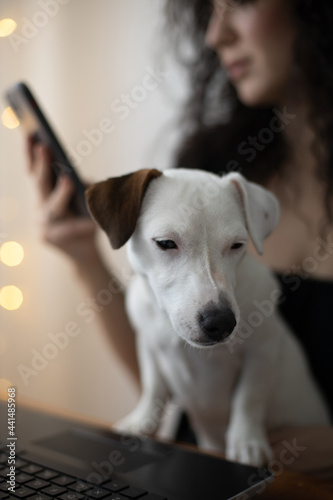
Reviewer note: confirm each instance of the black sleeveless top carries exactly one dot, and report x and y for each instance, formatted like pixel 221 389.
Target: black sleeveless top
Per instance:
pixel 307 307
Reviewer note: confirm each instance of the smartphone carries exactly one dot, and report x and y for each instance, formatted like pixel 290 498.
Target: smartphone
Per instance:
pixel 34 123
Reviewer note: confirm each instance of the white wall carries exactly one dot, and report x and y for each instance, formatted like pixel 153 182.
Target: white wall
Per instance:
pixel 79 56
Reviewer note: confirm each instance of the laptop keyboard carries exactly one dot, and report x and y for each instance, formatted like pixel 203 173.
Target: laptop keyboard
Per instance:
pixel 35 482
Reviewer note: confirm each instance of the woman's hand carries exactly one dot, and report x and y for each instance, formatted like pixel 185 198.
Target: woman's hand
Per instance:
pixel 305 449
pixel 70 233
pixel 74 235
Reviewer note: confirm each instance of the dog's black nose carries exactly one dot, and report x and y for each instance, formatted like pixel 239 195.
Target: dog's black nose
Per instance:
pixel 217 324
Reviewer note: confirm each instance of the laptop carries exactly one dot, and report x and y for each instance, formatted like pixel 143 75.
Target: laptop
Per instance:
pixel 61 458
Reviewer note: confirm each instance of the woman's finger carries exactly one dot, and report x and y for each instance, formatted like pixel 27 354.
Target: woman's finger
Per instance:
pixel 57 205
pixel 29 146
pixel 42 170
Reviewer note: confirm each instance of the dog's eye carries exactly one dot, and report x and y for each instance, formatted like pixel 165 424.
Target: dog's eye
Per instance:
pixel 166 244
pixel 236 246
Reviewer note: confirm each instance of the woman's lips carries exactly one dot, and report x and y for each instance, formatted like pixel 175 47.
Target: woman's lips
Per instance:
pixel 237 69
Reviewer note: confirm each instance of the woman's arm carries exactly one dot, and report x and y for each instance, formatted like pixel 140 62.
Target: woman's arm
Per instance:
pixel 75 237
pixel 112 316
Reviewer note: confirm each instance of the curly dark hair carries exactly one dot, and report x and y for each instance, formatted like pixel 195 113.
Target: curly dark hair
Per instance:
pixel 216 122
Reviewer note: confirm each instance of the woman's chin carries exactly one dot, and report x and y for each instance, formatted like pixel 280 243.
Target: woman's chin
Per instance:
pixel 253 96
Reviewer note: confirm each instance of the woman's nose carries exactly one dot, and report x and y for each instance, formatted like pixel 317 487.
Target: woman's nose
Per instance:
pixel 220 30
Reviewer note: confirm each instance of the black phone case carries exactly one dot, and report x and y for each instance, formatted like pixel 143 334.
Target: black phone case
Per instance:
pixel 33 120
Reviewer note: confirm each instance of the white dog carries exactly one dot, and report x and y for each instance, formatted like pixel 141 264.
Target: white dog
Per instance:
pixel 204 310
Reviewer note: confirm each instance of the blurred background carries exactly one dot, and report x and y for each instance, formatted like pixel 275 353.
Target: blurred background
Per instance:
pixel 80 58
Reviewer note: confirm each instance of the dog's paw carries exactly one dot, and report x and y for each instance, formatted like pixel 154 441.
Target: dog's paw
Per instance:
pixel 138 426
pixel 128 425
pixel 122 425
pixel 251 449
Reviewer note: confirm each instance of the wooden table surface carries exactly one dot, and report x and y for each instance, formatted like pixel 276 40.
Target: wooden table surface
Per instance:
pixel 287 485
pixel 293 486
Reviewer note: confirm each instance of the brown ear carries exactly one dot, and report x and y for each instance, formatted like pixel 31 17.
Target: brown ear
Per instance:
pixel 115 204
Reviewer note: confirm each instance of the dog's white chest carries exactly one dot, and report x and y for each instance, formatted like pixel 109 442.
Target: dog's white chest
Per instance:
pixel 183 367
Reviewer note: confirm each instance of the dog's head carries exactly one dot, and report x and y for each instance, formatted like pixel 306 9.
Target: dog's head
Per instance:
pixel 187 233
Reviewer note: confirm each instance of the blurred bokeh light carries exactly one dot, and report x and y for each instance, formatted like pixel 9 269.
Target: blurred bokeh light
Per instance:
pixel 11 297
pixel 11 253
pixel 7 26
pixel 9 118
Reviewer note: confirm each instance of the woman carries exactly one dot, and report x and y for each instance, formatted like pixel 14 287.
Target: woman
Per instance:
pixel 260 104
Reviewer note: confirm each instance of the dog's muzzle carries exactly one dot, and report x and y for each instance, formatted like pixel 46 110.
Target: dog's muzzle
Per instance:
pixel 217 324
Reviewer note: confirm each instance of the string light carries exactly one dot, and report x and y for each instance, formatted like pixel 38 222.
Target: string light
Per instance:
pixel 11 298
pixel 9 118
pixel 7 26
pixel 11 253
